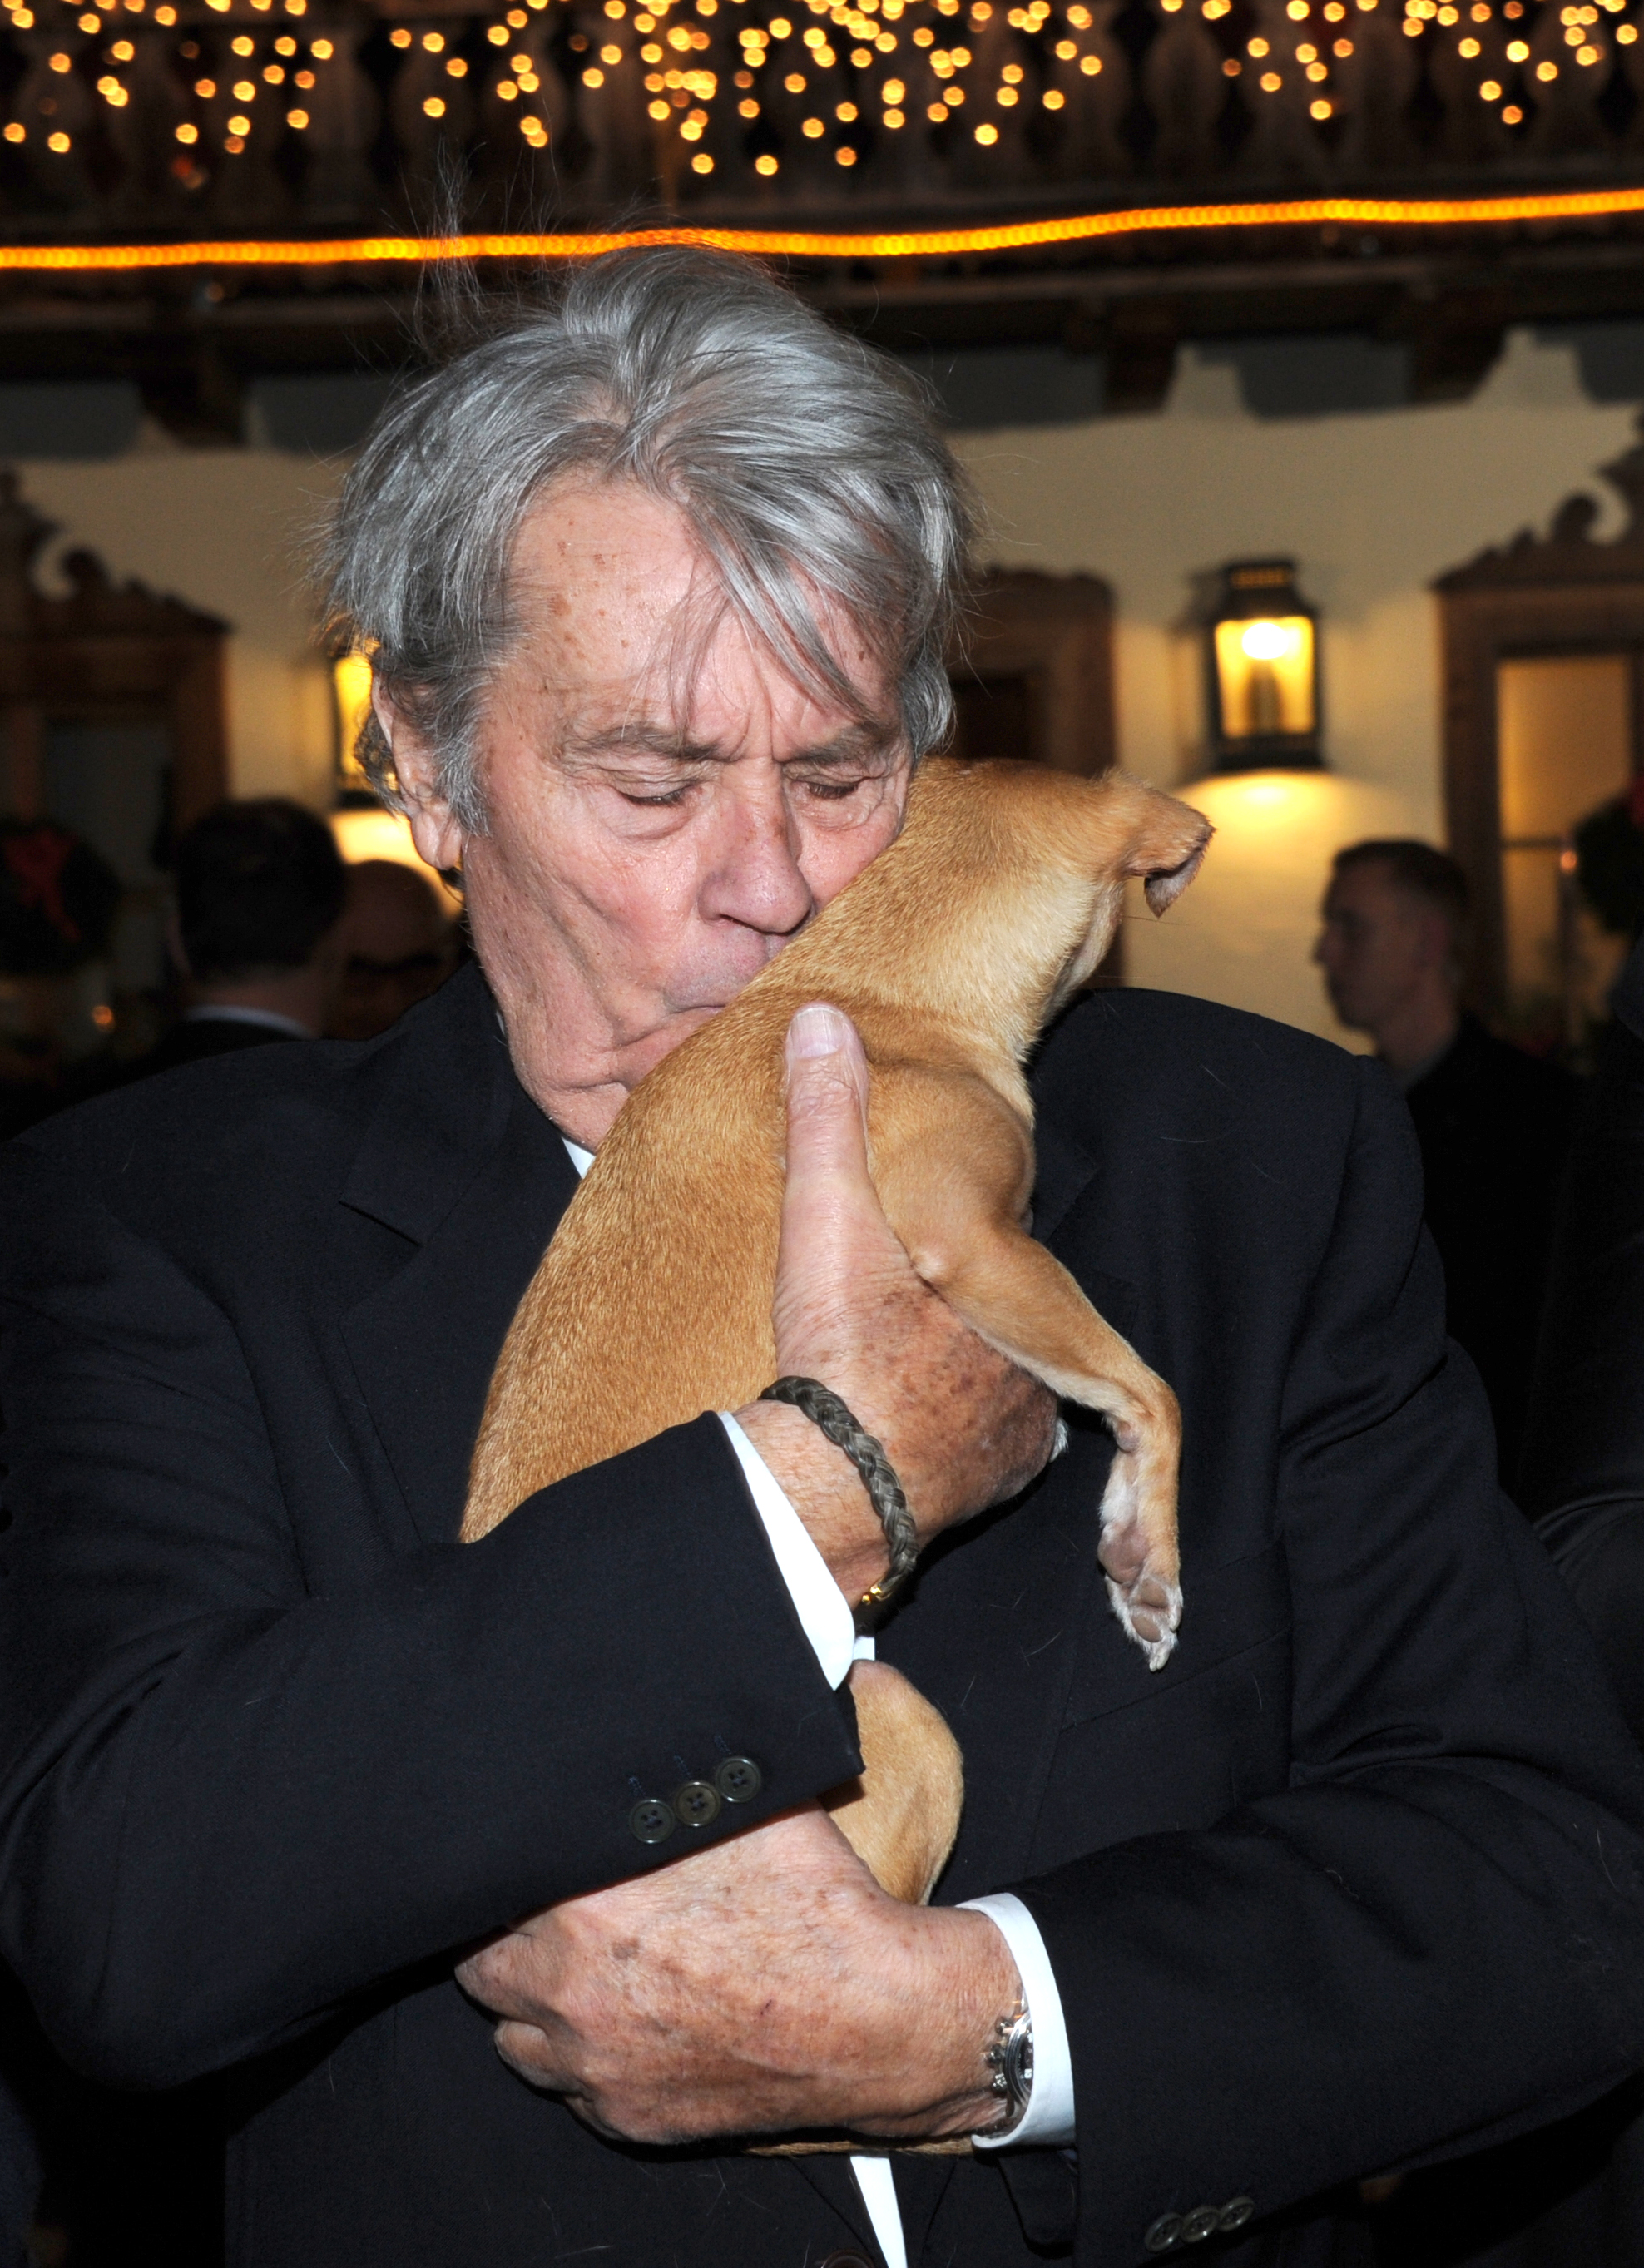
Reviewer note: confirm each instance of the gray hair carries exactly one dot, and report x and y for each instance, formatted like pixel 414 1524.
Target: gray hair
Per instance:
pixel 809 468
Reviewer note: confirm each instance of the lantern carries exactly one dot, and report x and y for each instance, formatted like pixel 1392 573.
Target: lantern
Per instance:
pixel 1262 660
pixel 350 698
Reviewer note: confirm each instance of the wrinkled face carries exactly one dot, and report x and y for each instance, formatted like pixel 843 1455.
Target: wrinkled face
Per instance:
pixel 667 808
pixel 1379 944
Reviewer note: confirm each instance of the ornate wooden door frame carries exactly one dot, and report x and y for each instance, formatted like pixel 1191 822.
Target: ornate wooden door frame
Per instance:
pixel 1057 632
pixel 1537 596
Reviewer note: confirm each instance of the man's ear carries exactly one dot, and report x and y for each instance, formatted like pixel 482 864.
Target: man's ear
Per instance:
pixel 441 841
pixel 1438 945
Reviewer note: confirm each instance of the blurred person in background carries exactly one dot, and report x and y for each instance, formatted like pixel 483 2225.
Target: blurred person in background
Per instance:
pixel 400 947
pixel 258 935
pixel 1494 1123
pixel 1583 1467
pixel 57 903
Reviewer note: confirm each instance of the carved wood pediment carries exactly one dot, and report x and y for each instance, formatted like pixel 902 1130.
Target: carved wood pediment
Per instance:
pixel 95 605
pixel 1568 552
pixel 102 652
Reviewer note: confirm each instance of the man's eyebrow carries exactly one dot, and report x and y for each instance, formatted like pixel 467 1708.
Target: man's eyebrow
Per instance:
pixel 637 738
pixel 869 741
pixel 863 743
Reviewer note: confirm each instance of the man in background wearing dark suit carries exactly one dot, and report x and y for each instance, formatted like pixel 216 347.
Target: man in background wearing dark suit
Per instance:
pixel 257 936
pixel 487 1884
pixel 1494 1123
pixel 401 945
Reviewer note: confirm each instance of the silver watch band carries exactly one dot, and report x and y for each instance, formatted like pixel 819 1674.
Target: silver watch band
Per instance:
pixel 1010 2057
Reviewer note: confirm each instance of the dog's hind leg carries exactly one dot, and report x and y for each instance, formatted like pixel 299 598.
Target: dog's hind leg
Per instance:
pixel 1022 1300
pixel 953 1208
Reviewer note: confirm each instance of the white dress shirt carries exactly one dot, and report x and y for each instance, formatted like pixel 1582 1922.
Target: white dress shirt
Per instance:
pixel 268 1020
pixel 828 1623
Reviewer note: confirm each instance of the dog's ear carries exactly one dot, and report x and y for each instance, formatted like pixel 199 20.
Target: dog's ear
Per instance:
pixel 1164 889
pixel 1169 845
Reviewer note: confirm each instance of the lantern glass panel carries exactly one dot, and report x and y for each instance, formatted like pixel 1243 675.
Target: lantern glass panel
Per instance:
pixel 1265 677
pixel 350 687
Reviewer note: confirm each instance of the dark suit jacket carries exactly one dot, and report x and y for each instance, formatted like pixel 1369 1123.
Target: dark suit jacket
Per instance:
pixel 197 1039
pixel 1356 1880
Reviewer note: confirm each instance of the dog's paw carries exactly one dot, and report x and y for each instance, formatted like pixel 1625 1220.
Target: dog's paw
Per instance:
pixel 1149 1612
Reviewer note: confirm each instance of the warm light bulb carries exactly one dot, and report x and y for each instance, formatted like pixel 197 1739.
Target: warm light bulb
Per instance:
pixel 1267 641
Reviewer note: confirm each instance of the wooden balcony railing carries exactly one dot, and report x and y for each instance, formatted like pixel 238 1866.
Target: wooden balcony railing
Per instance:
pixel 130 118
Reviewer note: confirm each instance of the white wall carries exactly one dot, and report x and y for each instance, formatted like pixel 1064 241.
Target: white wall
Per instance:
pixel 1372 506
pixel 226 530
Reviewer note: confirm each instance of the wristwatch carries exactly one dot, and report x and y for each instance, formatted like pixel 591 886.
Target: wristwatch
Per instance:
pixel 1010 2058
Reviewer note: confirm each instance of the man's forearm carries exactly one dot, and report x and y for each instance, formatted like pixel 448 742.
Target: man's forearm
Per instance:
pixel 824 1487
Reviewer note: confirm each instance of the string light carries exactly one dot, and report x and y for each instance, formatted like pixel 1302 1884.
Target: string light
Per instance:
pixel 671 46
pixel 799 244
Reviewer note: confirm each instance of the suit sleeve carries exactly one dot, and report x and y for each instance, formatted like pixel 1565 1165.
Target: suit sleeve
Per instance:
pixel 230 1807
pixel 1433 1938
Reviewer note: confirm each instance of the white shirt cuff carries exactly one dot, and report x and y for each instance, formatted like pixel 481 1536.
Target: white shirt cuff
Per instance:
pixel 1050 2118
pixel 818 1600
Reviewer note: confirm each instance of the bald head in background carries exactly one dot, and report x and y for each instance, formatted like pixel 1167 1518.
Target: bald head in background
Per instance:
pixel 401 945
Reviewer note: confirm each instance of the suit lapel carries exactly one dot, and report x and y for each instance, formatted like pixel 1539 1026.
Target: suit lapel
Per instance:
pixel 1063 1171
pixel 463 1167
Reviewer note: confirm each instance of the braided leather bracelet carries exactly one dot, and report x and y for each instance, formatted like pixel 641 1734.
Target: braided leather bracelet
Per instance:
pixel 825 1409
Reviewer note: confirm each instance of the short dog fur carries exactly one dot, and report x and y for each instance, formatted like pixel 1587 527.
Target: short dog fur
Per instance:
pixel 950 952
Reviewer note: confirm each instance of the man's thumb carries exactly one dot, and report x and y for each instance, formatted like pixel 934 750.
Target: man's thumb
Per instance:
pixel 827 1093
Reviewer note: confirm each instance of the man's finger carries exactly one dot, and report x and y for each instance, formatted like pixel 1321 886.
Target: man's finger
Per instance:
pixel 827 1096
pixel 504 1978
pixel 527 2048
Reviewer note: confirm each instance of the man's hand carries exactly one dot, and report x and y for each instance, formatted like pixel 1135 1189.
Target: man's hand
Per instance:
pixel 764 1984
pixel 962 1425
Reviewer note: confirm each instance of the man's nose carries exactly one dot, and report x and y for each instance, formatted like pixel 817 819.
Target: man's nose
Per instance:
pixel 756 878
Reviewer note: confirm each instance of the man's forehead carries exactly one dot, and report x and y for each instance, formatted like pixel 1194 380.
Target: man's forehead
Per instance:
pixel 1370 879
pixel 628 629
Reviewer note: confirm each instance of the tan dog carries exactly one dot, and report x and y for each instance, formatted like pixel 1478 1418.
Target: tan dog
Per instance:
pixel 950 952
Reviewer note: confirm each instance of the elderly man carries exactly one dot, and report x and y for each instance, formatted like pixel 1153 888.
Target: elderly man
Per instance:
pixel 299 1792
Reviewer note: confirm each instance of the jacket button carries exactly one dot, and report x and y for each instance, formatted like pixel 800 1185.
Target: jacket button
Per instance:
pixel 1203 2222
pixel 1166 2232
pixel 697 1804
pixel 738 1779
pixel 1235 2213
pixel 652 1821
